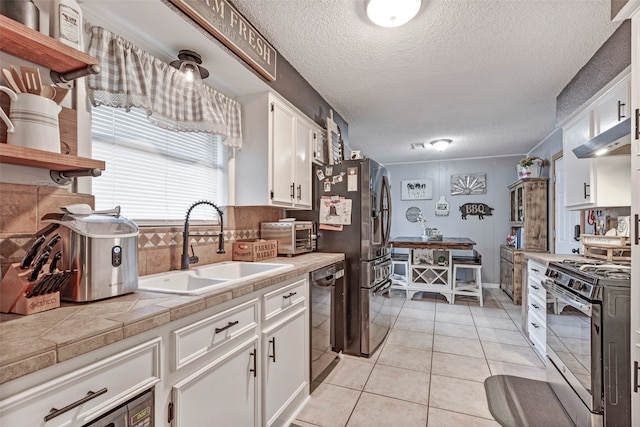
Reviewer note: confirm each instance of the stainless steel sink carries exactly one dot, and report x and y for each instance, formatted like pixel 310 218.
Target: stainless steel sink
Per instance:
pixel 206 278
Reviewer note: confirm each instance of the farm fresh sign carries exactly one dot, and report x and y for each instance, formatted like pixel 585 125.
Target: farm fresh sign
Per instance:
pixel 220 19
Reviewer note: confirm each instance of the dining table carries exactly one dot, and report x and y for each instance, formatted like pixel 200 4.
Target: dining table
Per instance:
pixel 429 264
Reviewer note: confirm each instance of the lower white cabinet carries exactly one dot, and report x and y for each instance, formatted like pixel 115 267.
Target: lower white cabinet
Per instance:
pixel 242 363
pixel 537 308
pixel 284 368
pixel 85 391
pixel 245 363
pixel 223 393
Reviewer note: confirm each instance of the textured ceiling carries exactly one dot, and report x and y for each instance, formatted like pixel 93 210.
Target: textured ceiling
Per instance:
pixel 483 73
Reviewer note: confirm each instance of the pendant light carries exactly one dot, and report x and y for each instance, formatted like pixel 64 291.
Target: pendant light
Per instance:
pixel 392 13
pixel 188 63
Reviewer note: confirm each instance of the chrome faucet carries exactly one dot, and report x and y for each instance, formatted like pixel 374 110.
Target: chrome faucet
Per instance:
pixel 186 260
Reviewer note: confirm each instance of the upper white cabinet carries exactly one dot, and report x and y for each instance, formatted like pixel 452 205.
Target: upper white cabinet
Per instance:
pixel 274 166
pixel 599 181
pixel 613 107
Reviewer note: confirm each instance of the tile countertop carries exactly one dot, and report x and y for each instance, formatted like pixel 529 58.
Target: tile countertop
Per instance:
pixel 546 258
pixel 31 343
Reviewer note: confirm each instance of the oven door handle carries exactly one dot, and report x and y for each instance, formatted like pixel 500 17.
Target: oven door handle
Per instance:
pixel 584 308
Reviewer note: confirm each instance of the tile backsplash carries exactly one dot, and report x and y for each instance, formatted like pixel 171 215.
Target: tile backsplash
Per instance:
pixel 159 248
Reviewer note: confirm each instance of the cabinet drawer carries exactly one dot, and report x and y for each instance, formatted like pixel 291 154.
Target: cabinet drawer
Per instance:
pixel 538 306
pixel 536 271
pixel 205 336
pixel 113 380
pixel 283 299
pixel 537 333
pixel 536 289
pixel 506 253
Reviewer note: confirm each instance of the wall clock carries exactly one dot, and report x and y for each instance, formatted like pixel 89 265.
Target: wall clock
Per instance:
pixel 468 184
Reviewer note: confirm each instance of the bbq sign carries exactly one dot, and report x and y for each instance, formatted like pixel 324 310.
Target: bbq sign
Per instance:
pixel 479 209
pixel 220 19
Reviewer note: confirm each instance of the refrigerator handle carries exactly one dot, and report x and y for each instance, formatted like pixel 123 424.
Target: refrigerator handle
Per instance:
pixel 385 210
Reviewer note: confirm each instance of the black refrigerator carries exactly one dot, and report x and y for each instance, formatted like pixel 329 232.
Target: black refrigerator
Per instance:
pixel 352 210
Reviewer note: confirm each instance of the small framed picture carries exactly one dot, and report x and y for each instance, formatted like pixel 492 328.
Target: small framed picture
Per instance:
pixel 417 189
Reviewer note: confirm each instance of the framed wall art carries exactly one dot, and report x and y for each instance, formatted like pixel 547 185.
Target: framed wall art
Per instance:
pixel 469 184
pixel 417 189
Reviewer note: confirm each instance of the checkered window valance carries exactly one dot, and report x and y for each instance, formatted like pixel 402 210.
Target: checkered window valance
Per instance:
pixel 131 77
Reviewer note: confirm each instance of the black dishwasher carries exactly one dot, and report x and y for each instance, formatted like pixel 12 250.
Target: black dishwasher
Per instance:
pixel 327 320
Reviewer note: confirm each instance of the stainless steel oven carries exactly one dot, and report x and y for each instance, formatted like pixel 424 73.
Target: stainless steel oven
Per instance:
pixel 588 341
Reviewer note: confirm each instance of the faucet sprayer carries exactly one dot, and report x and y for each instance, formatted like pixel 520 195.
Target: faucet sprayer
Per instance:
pixel 186 260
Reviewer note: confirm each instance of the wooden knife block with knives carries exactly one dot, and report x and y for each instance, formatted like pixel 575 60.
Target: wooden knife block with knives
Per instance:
pixel 14 290
pixel 33 285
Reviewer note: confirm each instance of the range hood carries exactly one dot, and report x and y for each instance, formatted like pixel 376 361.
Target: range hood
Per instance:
pixel 611 141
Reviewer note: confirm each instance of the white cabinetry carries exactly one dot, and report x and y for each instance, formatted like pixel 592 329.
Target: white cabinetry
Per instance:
pixel 537 308
pixel 274 166
pixel 635 211
pixel 285 349
pixel 94 388
pixel 245 363
pixel 600 181
pixel 613 107
pixel 284 367
pixel 224 393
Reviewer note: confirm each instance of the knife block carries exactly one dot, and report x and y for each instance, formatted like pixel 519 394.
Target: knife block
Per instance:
pixel 13 290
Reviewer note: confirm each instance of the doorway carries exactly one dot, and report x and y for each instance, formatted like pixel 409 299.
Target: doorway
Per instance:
pixel 564 221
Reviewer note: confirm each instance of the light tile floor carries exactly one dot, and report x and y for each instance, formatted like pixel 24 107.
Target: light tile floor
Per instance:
pixel 430 370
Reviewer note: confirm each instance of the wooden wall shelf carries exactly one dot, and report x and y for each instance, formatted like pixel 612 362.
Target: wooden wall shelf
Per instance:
pixel 22 156
pixel 26 43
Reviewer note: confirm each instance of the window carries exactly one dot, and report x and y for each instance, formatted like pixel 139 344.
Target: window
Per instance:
pixel 152 173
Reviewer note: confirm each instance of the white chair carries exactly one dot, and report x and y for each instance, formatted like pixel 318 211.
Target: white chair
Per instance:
pixel 471 287
pixel 400 280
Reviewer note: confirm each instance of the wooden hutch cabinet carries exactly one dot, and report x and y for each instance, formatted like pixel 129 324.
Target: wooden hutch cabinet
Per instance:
pixel 528 221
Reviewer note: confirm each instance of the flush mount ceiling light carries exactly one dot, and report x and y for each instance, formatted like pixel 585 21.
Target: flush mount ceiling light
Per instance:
pixel 392 13
pixel 440 144
pixel 188 63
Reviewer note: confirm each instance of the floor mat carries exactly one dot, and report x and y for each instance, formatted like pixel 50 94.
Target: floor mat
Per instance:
pixel 515 401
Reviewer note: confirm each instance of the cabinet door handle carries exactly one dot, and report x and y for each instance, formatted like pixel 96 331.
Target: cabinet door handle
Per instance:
pixel 293 186
pixel 637 123
pixel 273 355
pixel 300 192
pixel 255 363
pixel 535 287
pixel 621 115
pixel 536 270
pixel 536 306
pixel 586 195
pixel 535 325
pixel 224 328
pixel 636 232
pixel 54 412
pixel 289 296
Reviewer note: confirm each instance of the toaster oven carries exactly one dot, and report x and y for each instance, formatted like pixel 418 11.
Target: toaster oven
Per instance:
pixel 294 237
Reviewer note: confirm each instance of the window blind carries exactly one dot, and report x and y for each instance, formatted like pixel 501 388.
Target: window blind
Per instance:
pixel 152 173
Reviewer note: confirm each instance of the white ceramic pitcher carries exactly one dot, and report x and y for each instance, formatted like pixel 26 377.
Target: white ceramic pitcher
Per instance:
pixel 33 121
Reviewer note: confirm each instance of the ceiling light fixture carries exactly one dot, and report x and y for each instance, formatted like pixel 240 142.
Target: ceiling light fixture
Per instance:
pixel 392 13
pixel 188 63
pixel 440 144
